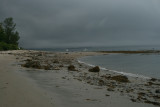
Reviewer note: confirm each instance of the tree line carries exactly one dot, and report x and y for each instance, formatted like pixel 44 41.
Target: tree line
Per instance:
pixel 8 35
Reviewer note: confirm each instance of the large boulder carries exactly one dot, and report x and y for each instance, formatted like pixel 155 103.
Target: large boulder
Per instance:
pixel 94 69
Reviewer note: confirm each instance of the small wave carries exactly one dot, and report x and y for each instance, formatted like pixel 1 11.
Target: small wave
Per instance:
pixel 123 73
pixel 85 63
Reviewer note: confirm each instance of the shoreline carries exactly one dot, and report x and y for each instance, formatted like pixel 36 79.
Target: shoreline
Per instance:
pixel 118 72
pixel 133 52
pixel 138 91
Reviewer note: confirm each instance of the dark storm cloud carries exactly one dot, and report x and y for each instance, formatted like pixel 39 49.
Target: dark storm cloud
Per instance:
pixel 49 23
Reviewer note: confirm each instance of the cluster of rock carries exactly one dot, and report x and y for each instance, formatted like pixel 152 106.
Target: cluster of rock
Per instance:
pixel 146 92
pixel 32 64
pixel 42 61
pixel 38 65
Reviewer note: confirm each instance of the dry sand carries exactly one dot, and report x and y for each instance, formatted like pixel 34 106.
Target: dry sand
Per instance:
pixel 58 87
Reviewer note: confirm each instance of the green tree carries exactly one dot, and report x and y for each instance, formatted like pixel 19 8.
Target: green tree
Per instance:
pixel 12 36
pixel 8 35
pixel 2 34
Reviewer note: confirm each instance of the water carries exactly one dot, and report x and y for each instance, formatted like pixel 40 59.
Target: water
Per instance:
pixel 102 48
pixel 128 64
pixel 147 65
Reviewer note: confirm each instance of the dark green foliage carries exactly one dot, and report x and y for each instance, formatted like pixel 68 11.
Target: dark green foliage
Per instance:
pixel 8 35
pixel 5 46
pixel 2 34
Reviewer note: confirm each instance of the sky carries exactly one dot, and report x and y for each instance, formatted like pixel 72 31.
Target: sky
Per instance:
pixel 71 23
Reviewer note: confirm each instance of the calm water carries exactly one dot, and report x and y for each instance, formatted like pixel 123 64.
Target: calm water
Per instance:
pixel 147 65
pixel 104 48
pixel 141 64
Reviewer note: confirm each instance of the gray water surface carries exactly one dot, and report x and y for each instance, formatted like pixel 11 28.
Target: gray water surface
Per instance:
pixel 141 64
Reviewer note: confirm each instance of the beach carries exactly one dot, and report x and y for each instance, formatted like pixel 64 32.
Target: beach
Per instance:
pixel 44 79
pixel 16 90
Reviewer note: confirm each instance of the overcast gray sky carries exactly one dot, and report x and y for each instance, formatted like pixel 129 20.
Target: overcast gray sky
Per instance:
pixel 51 23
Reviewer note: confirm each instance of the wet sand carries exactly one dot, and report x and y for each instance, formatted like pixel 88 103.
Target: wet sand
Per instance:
pixel 57 86
pixel 16 90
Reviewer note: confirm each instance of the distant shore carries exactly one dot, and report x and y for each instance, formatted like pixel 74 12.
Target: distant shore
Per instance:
pixel 80 87
pixel 132 52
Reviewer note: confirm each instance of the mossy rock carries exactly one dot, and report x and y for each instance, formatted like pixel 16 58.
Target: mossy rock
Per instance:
pixel 94 69
pixel 71 68
pixel 120 78
pixel 32 64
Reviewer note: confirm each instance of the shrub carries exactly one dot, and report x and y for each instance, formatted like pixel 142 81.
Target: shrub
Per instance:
pixel 5 46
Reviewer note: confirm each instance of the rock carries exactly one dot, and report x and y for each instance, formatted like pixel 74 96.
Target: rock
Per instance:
pixel 56 68
pixel 61 65
pixel 154 103
pixel 88 82
pixel 80 65
pixel 157 91
pixel 120 78
pixel 40 54
pixel 150 83
pixel 110 89
pixel 63 77
pixel 111 85
pixel 133 100
pixel 48 67
pixel 107 95
pixel 141 94
pixel 28 60
pixel 71 68
pixel 90 99
pixel 94 69
pixel 101 82
pixel 55 61
pixel 32 64
pixel 35 58
pixel 156 96
pixel 106 77
pixel 79 79
pixel 153 79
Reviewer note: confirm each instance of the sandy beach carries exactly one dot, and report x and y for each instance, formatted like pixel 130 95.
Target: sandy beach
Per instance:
pixel 16 90
pixel 44 79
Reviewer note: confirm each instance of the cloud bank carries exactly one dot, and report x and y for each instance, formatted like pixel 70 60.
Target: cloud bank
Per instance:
pixel 52 23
